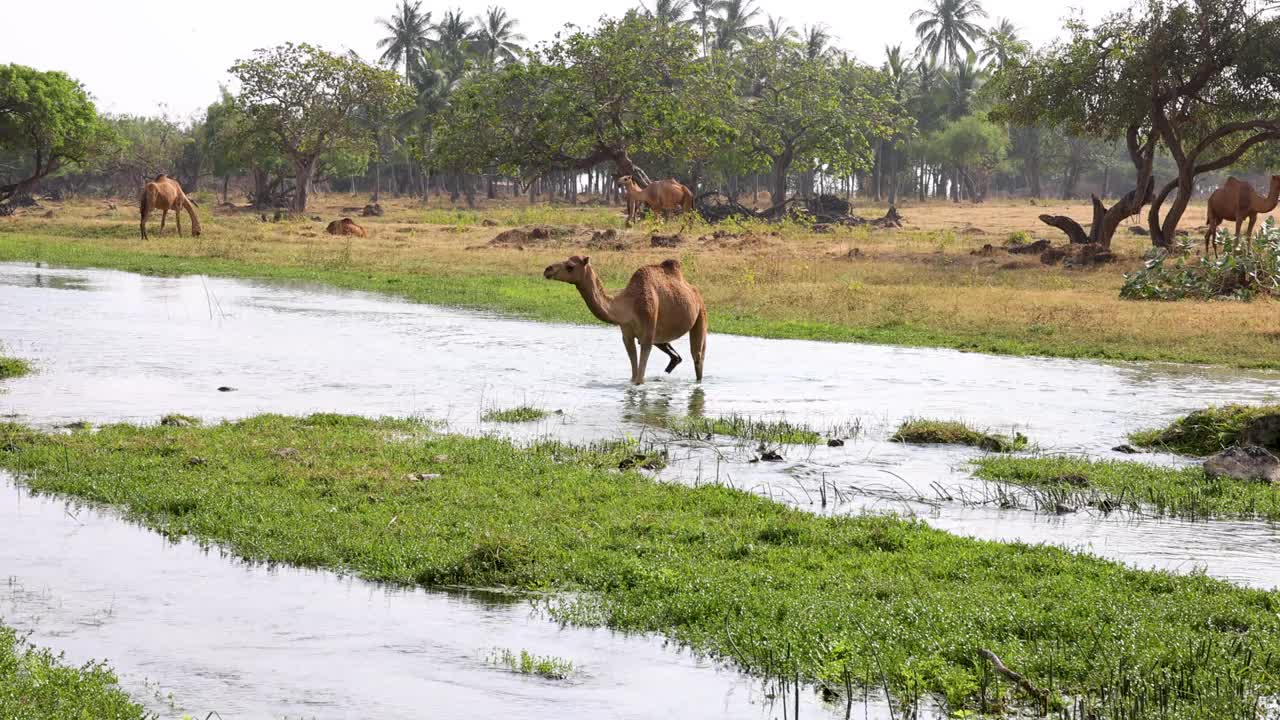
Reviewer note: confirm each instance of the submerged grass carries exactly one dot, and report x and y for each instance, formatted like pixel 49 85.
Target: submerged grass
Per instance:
pixel 519 414
pixel 952 432
pixel 769 432
pixel 841 600
pixel 36 684
pixel 1206 432
pixel 548 667
pixel 1176 492
pixel 13 367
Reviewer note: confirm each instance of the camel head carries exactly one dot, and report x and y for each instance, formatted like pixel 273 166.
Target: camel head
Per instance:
pixel 626 182
pixel 572 271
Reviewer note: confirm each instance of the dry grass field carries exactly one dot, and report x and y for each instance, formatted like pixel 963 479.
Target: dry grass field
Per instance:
pixel 927 284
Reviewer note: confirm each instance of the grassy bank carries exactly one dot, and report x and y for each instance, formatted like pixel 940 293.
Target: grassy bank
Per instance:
pixel 777 590
pixel 1176 492
pixel 921 286
pixel 13 367
pixel 1209 431
pixel 35 684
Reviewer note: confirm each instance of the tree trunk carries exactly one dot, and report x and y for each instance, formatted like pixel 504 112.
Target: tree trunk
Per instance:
pixel 303 169
pixel 226 180
pixel 778 189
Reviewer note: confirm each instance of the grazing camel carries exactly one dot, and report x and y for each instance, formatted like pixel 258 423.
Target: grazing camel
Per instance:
pixel 657 307
pixel 345 226
pixel 1237 200
pixel 165 194
pixel 661 196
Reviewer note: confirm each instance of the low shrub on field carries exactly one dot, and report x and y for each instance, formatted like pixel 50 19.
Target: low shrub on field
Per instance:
pixel 1245 269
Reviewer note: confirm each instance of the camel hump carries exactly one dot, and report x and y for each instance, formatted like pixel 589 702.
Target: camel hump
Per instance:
pixel 671 266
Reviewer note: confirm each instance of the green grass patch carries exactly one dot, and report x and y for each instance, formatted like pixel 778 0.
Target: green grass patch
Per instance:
pixel 547 667
pixel 36 684
pixel 778 591
pixel 13 367
pixel 519 414
pixel 1111 485
pixel 768 432
pixel 1205 432
pixel 951 432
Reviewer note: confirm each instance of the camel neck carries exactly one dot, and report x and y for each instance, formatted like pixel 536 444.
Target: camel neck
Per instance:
pixel 598 301
pixel 1273 198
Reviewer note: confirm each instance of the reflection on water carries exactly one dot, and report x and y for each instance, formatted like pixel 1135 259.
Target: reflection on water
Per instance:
pixel 134 348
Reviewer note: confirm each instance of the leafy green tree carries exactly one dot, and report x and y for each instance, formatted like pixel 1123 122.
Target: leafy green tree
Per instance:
pixel 631 87
pixel 949 28
pixel 310 102
pixel 813 112
pixel 47 119
pixel 975 147
pixel 407 36
pixel 496 40
pixel 1198 79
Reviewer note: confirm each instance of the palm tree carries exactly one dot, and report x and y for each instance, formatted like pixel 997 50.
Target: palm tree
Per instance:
pixel 960 84
pixel 408 35
pixel 817 38
pixel 900 72
pixel 777 30
pixel 452 43
pixel 496 41
pixel 1001 44
pixel 704 19
pixel 735 26
pixel 948 27
pixel 667 12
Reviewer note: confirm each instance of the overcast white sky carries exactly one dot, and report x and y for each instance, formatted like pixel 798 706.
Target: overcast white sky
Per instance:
pixel 146 55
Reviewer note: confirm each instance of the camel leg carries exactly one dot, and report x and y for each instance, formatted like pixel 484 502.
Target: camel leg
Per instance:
pixel 1211 237
pixel 164 215
pixel 698 342
pixel 646 347
pixel 671 353
pixel 177 217
pixel 629 341
pixel 143 225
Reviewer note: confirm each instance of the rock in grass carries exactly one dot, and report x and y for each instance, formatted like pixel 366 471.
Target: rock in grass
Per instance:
pixel 835 442
pixel 1250 464
pixel 175 420
pixel 1126 449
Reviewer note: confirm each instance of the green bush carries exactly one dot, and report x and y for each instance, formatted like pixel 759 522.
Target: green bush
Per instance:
pixel 1245 269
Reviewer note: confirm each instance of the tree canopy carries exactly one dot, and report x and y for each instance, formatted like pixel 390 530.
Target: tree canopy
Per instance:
pixel 311 102
pixel 1198 79
pixel 48 119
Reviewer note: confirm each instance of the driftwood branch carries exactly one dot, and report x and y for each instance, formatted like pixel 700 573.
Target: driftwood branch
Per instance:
pixel 1014 677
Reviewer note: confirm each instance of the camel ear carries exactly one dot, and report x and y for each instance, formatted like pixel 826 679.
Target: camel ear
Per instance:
pixel 586 261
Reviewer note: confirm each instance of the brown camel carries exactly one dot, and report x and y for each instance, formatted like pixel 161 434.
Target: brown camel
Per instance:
pixel 1237 200
pixel 657 307
pixel 660 195
pixel 345 226
pixel 165 194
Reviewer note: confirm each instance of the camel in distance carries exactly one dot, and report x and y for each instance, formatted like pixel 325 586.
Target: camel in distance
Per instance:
pixel 165 194
pixel 1237 200
pixel 662 196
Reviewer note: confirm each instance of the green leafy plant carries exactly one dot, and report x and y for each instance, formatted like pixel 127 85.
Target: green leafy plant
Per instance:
pixel 1246 268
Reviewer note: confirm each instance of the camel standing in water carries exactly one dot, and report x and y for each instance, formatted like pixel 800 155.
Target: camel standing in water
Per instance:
pixel 165 194
pixel 1236 200
pixel 657 307
pixel 661 196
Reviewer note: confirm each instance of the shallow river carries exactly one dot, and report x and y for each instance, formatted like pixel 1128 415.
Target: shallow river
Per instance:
pixel 115 346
